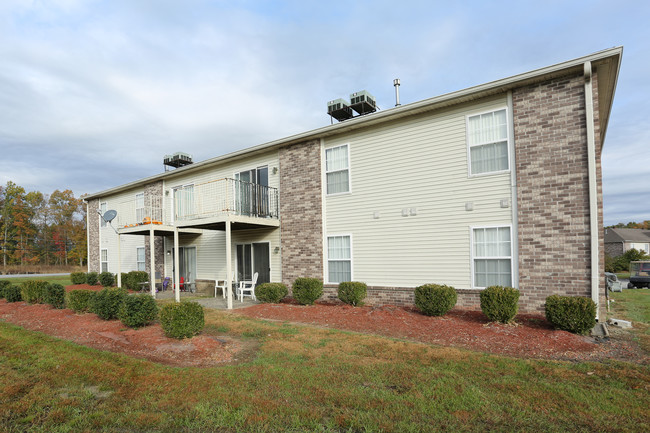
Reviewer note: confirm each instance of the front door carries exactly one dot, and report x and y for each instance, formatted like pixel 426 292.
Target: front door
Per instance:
pixel 253 258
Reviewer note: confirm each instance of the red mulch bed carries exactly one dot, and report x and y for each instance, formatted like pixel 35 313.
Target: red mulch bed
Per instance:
pixel 531 336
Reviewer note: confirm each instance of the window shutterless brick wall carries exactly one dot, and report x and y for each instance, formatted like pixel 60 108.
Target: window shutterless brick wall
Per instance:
pixel 301 211
pixel 553 190
pixel 92 219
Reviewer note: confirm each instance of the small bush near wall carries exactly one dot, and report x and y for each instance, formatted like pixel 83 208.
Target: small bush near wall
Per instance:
pixel 182 320
pixel 435 299
pixel 134 278
pixel 352 292
pixel 106 279
pixel 500 304
pixel 575 314
pixel 91 278
pixel 3 284
pixel 33 291
pixel 13 293
pixel 55 295
pixel 107 302
pixel 271 292
pixel 78 278
pixel 138 310
pixel 307 290
pixel 79 301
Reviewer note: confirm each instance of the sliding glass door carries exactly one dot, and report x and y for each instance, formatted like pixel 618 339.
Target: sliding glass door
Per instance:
pixel 253 258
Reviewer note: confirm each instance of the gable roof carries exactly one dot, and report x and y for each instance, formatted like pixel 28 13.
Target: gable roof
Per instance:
pixel 613 235
pixel 606 63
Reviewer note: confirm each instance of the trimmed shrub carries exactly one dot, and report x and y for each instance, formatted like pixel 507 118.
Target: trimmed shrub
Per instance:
pixel 271 292
pixel 13 293
pixel 78 278
pixel 182 320
pixel 138 310
pixel 55 295
pixel 107 279
pixel 133 280
pixel 500 304
pixel 92 278
pixel 107 302
pixel 435 299
pixel 80 301
pixel 307 290
pixel 575 314
pixel 3 284
pixel 33 291
pixel 352 292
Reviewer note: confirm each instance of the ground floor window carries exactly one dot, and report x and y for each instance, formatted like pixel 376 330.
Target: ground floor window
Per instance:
pixel 140 260
pixel 104 260
pixel 492 256
pixel 339 258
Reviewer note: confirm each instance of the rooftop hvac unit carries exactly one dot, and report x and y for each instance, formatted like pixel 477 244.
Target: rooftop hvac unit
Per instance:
pixel 178 159
pixel 363 102
pixel 339 109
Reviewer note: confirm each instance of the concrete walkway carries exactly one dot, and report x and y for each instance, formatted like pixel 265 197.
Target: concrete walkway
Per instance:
pixel 218 303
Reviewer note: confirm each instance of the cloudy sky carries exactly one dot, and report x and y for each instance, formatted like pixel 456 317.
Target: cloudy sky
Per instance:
pixel 94 93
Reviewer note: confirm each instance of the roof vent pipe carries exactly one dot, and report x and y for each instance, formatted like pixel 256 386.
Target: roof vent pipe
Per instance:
pixel 396 84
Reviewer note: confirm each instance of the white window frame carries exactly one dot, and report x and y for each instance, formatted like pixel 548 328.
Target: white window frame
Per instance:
pixel 469 147
pixel 326 277
pixel 473 257
pixel 137 259
pixel 102 261
pixel 139 210
pixel 103 206
pixel 174 190
pixel 349 191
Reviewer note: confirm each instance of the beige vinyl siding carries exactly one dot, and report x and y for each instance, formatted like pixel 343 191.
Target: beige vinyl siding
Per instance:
pixel 418 164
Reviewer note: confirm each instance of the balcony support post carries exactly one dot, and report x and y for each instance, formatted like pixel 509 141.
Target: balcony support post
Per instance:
pixel 152 256
pixel 177 280
pixel 229 263
pixel 119 261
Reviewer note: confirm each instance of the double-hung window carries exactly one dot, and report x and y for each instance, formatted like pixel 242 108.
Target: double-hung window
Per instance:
pixel 139 207
pixel 140 259
pixel 492 256
pixel 102 209
pixel 487 137
pixel 339 259
pixel 104 260
pixel 337 169
pixel 184 202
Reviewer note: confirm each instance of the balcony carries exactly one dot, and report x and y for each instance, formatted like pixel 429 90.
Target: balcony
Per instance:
pixel 206 205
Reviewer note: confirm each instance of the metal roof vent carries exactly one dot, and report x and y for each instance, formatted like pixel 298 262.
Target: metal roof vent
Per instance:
pixel 176 160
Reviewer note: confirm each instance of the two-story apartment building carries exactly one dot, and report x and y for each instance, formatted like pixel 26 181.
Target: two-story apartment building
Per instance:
pixel 495 184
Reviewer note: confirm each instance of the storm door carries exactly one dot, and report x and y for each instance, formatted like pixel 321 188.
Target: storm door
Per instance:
pixel 253 258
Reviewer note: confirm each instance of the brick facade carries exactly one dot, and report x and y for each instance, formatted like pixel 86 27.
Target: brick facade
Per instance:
pixel 93 235
pixel 153 193
pixel 553 190
pixel 301 211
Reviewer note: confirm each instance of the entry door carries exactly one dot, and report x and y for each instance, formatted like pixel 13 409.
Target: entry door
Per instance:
pixel 253 258
pixel 252 192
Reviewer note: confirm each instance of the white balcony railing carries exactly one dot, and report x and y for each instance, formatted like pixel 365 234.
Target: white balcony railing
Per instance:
pixel 194 202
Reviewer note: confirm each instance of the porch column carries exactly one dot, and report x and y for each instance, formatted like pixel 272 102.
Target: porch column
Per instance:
pixel 152 256
pixel 119 261
pixel 229 263
pixel 177 280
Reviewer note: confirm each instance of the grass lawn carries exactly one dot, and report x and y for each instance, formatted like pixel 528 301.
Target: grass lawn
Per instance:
pixel 308 379
pixel 634 305
pixel 64 280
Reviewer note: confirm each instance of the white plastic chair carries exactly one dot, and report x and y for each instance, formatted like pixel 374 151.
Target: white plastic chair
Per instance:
pixel 247 286
pixel 223 285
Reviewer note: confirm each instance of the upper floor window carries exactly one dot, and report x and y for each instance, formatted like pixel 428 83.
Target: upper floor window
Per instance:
pixel 139 207
pixel 102 208
pixel 337 169
pixel 487 137
pixel 183 202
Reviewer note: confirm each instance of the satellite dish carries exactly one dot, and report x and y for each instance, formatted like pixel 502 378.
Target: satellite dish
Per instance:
pixel 109 215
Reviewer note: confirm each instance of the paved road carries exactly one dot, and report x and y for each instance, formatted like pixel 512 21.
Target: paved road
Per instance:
pixel 32 275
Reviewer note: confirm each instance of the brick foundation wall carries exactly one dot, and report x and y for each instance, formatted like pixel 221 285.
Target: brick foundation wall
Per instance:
pixel 553 190
pixel 301 211
pixel 405 297
pixel 92 220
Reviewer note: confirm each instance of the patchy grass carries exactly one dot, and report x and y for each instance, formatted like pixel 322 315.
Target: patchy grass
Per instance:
pixel 64 280
pixel 634 305
pixel 303 378
pixel 625 275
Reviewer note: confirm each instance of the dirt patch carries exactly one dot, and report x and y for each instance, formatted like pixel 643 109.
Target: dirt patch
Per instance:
pixel 531 336
pixel 147 343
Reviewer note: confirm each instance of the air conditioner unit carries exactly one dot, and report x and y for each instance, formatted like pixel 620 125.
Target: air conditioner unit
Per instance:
pixel 363 102
pixel 178 159
pixel 339 109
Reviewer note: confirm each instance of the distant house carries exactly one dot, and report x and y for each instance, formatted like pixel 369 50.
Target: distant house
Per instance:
pixel 494 184
pixel 618 241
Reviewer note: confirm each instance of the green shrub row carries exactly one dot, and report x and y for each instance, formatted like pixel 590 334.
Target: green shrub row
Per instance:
pixel 12 293
pixel 132 280
pixel 307 290
pixel 3 284
pixel 182 320
pixel 80 301
pixel 78 277
pixel 107 302
pixel 106 279
pixel 55 295
pixel 435 299
pixel 137 311
pixel 500 304
pixel 92 278
pixel 33 291
pixel 271 292
pixel 575 314
pixel 352 292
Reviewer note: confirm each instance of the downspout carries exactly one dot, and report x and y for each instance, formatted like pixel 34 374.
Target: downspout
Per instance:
pixel 593 187
pixel 87 238
pixel 513 194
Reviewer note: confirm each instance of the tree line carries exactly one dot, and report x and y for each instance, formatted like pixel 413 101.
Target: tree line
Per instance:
pixel 645 225
pixel 41 229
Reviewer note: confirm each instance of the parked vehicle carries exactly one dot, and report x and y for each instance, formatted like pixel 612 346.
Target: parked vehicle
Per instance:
pixel 612 282
pixel 639 274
